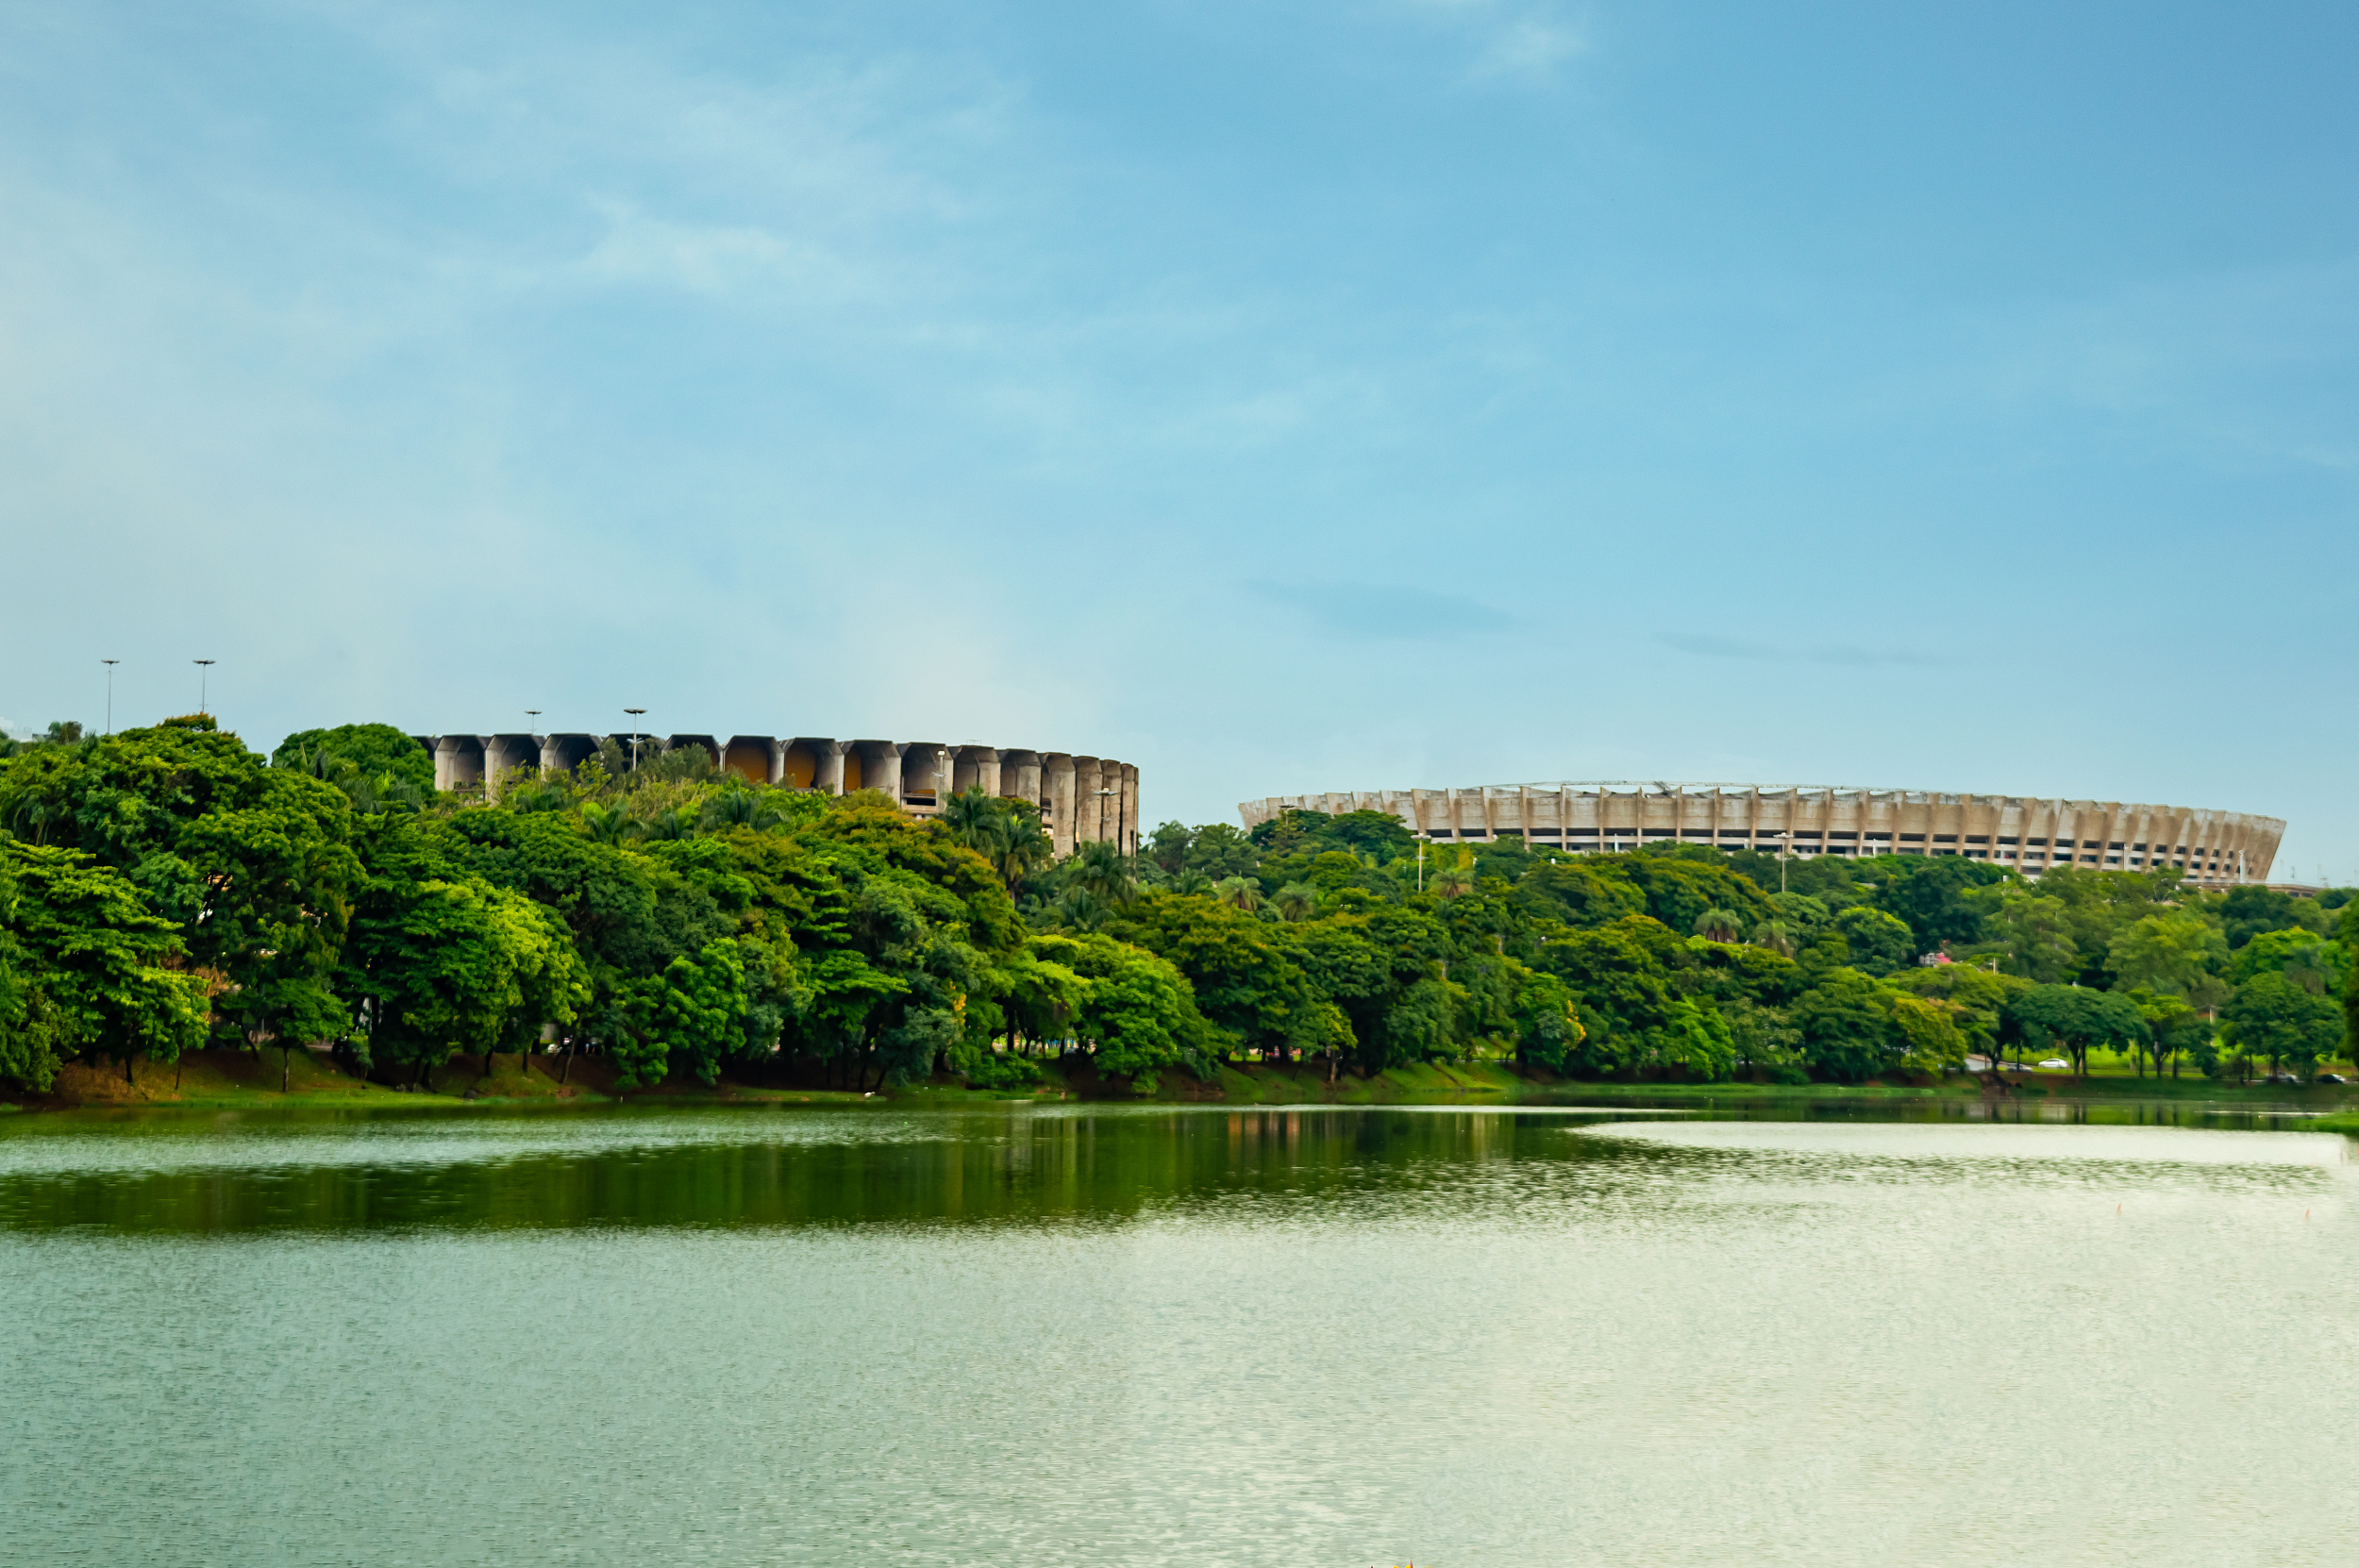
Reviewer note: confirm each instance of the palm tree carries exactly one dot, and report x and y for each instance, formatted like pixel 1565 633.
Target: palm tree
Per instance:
pixel 1103 869
pixel 1240 892
pixel 1776 935
pixel 972 818
pixel 1079 908
pixel 2305 966
pixel 667 824
pixel 1720 925
pixel 1297 900
pixel 738 806
pixel 607 825
pixel 536 794
pixel 1016 845
pixel 1454 876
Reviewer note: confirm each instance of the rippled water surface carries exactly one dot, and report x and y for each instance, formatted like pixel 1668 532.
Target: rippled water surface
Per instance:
pixel 1152 1335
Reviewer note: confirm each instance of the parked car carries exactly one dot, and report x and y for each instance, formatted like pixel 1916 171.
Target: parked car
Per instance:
pixel 2282 1078
pixel 2055 1062
pixel 2332 1077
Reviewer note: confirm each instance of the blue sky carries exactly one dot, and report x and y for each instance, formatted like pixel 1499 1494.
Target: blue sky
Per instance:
pixel 1280 396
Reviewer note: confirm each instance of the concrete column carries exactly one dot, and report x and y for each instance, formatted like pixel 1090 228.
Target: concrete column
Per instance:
pixel 1019 776
pixel 777 761
pixel 458 761
pixel 1056 776
pixel 879 767
pixel 975 767
pixel 1131 808
pixel 1088 809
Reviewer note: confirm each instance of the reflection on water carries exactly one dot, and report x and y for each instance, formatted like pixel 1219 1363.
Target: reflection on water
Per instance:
pixel 1142 1335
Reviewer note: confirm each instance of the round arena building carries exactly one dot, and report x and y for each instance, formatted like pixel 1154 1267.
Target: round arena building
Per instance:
pixel 2216 849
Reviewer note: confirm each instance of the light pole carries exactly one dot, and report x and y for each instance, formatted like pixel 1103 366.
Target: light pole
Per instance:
pixel 204 668
pixel 110 664
pixel 635 715
pixel 1782 841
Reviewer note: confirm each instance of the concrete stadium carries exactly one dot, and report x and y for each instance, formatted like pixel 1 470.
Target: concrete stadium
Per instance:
pixel 2216 849
pixel 1083 799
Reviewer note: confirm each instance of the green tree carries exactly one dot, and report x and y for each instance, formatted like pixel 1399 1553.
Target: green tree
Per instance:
pixel 1935 1033
pixel 1134 1012
pixel 2077 1018
pixel 2271 1017
pixel 2316 964
pixel 1941 897
pixel 1720 925
pixel 1584 893
pixel 2168 952
pixel 692 1017
pixel 1875 941
pixel 86 967
pixel 1847 1027
pixel 1246 976
pixel 372 751
pixel 1297 900
pixel 2035 938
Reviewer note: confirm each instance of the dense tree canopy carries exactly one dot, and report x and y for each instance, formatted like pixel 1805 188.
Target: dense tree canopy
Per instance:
pixel 166 884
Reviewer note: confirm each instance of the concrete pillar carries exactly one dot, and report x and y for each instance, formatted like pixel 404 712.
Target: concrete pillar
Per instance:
pixel 1088 809
pixel 879 767
pixel 1056 778
pixel 777 762
pixel 814 762
pixel 458 761
pixel 1131 808
pixel 747 757
pixel 1020 776
pixel 503 755
pixel 925 770
pixel 975 767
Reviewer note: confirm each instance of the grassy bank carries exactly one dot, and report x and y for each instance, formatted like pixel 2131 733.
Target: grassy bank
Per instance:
pixel 239 1079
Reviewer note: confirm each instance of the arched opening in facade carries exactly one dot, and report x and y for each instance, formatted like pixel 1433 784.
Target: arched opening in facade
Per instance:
pixel 814 762
pixel 1019 776
pixel 507 755
pixel 975 767
pixel 748 757
pixel 564 753
pixel 458 763
pixel 879 767
pixel 925 774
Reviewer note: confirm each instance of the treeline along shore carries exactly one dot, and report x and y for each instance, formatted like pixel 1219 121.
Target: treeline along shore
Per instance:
pixel 656 926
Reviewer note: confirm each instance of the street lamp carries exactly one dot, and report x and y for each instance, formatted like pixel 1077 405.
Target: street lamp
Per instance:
pixel 635 715
pixel 204 668
pixel 110 664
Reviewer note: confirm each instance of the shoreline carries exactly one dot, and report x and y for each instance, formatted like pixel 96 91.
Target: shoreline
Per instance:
pixel 225 1079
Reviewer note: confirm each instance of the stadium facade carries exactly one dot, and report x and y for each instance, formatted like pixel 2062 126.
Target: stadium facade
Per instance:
pixel 2214 848
pixel 1083 799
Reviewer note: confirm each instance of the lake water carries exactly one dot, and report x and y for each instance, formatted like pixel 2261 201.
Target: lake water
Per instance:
pixel 1089 1336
